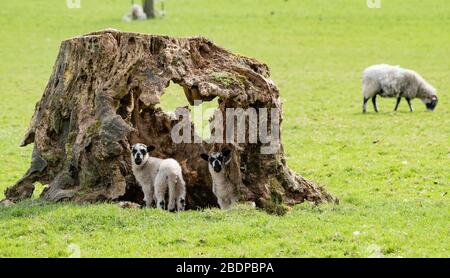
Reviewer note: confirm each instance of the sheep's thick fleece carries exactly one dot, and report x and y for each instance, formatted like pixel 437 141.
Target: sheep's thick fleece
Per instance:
pixel 394 81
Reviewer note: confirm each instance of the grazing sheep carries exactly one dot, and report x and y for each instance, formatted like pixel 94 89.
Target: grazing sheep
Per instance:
pixel 394 81
pixel 222 187
pixel 137 13
pixel 155 175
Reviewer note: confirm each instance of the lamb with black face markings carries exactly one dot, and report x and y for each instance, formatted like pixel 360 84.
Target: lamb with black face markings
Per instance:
pixel 222 187
pixel 156 175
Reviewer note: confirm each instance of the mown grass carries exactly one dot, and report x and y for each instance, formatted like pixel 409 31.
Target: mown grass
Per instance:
pixel 390 170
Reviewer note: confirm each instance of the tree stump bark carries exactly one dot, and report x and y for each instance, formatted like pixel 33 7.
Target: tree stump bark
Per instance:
pixel 101 99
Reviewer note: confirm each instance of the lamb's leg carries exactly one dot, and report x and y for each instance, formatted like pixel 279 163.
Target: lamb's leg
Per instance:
pixel 374 101
pixel 409 104
pixel 365 104
pixel 149 195
pixel 181 203
pixel 181 195
pixel 172 194
pixel 398 102
pixel 160 191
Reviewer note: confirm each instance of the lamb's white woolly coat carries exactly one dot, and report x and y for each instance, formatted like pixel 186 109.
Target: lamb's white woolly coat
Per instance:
pixel 223 188
pixel 155 176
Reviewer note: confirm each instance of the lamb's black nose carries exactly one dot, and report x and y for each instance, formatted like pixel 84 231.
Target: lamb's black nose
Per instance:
pixel 217 168
pixel 138 161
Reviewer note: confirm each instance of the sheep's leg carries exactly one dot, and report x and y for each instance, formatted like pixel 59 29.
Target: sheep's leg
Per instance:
pixel 398 102
pixel 374 101
pixel 181 195
pixel 172 195
pixel 161 203
pixel 181 203
pixel 160 191
pixel 149 196
pixel 409 104
pixel 365 104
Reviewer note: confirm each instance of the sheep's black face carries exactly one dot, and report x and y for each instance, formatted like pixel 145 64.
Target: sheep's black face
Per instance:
pixel 431 104
pixel 139 153
pixel 217 159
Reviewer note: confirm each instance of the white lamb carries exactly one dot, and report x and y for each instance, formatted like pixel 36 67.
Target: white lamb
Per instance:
pixel 155 175
pixel 394 81
pixel 222 187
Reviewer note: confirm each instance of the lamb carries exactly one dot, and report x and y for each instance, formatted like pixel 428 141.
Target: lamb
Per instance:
pixel 222 187
pixel 155 175
pixel 394 81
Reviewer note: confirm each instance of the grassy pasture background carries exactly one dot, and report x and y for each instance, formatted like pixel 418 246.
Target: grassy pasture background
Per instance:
pixel 392 192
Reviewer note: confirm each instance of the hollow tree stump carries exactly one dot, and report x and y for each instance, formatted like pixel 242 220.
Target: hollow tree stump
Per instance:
pixel 101 99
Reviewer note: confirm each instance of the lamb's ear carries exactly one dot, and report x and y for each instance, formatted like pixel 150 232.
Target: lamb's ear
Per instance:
pixel 226 151
pixel 204 156
pixel 150 148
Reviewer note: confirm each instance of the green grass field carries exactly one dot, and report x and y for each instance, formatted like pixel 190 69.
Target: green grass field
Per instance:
pixel 391 171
